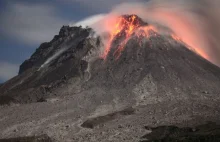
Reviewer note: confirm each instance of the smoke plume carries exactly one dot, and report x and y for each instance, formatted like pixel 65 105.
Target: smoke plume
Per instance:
pixel 58 53
pixel 196 23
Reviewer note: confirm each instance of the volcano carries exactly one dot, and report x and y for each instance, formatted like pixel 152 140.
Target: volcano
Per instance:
pixel 78 88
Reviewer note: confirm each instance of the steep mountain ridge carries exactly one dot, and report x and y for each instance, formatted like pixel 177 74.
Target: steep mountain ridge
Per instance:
pixel 51 64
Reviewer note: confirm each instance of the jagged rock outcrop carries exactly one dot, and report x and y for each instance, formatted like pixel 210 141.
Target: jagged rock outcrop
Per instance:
pixel 48 49
pixel 52 64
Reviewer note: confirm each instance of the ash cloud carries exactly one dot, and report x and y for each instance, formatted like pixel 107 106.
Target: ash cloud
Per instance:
pixel 195 22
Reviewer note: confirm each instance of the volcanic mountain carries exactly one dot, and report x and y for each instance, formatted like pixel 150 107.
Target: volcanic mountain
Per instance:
pixel 76 82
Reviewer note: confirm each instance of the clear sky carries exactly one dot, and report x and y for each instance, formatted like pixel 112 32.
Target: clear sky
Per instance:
pixel 25 24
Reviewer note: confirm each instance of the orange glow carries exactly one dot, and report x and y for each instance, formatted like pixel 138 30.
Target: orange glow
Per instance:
pixel 186 30
pixel 145 32
pixel 197 50
pixel 175 37
pixel 125 27
pixel 122 24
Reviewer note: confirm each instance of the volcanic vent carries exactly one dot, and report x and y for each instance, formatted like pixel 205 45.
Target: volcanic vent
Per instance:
pixel 124 28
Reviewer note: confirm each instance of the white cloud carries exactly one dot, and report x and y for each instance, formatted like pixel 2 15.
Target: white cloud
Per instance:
pixel 31 24
pixel 8 70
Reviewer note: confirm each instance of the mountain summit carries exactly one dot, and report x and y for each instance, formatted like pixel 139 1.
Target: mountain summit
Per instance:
pixel 138 77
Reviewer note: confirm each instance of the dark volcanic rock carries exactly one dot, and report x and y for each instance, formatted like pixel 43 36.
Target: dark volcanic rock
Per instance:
pixel 42 138
pixel 93 122
pixel 46 50
pixel 7 100
pixel 36 58
pixel 203 133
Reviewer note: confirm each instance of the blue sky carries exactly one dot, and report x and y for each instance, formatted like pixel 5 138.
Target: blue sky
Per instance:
pixel 25 24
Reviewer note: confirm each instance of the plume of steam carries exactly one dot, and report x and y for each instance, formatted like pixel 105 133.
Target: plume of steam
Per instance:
pixel 89 21
pixel 53 57
pixel 196 23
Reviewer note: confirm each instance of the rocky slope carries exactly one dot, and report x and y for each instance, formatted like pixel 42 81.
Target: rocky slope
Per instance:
pixel 67 91
pixel 50 66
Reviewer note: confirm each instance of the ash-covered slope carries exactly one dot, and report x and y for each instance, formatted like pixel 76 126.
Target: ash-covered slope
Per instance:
pixel 162 64
pixel 162 80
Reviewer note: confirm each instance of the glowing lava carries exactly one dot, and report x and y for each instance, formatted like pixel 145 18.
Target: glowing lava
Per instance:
pixel 124 26
pixel 123 29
